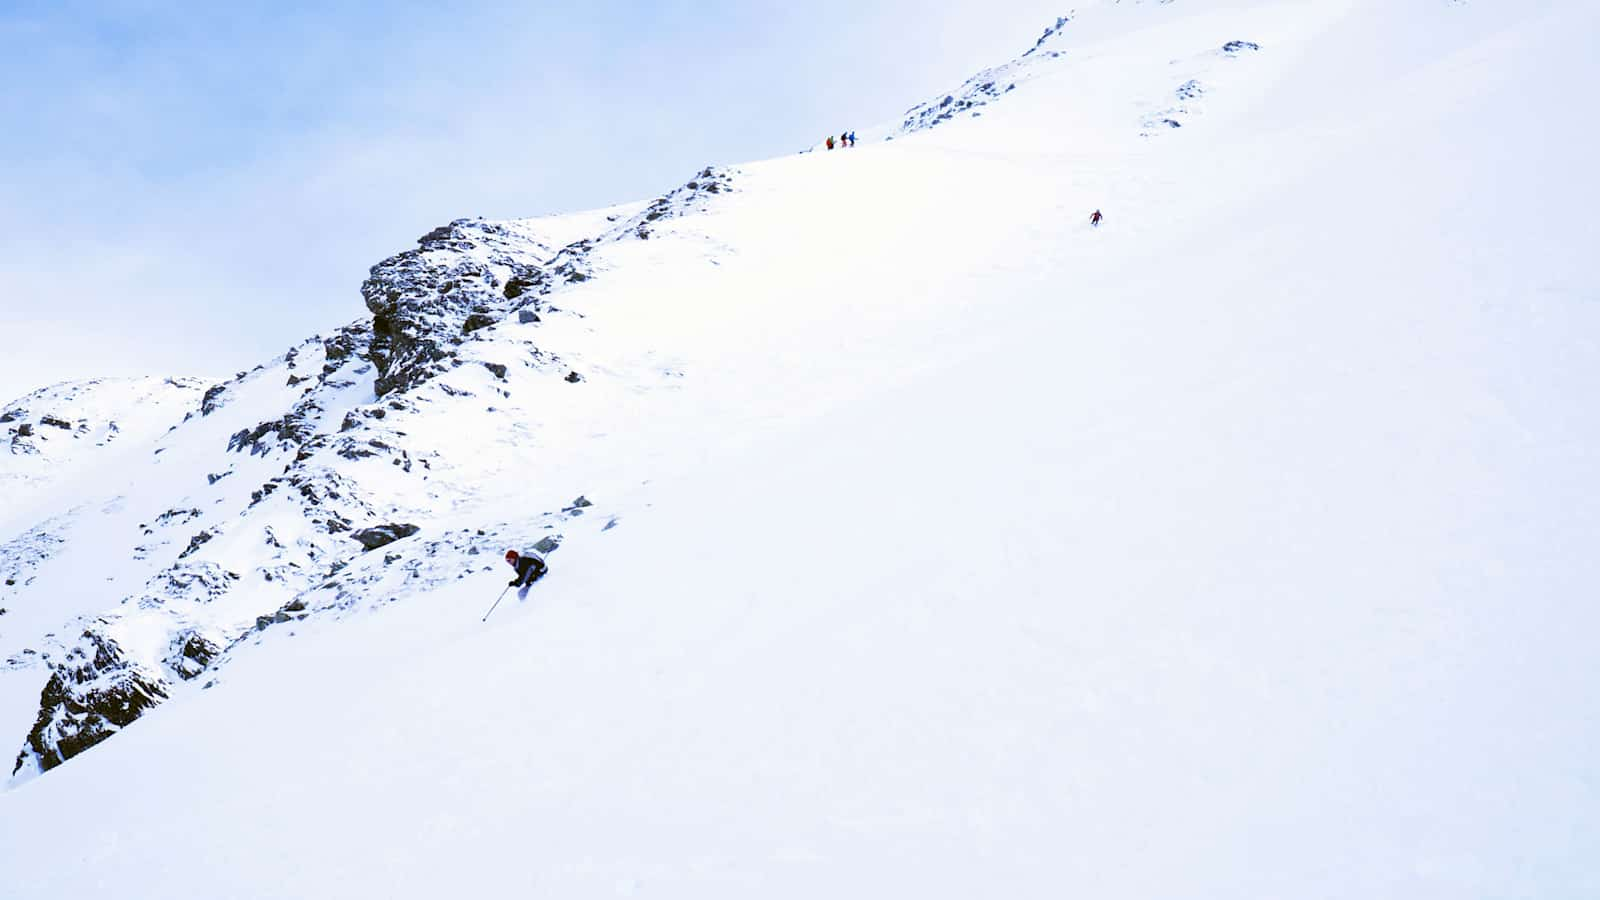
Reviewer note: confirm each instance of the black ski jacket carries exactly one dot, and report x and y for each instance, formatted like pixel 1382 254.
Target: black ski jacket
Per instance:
pixel 529 569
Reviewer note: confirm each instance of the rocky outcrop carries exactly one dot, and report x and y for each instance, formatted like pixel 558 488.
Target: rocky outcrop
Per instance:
pixel 471 274
pixel 298 427
pixel 92 694
pixel 212 401
pixel 1050 32
pixel 188 582
pixel 988 86
pixel 190 652
pixel 691 196
pixel 460 278
pixel 381 535
pixel 970 97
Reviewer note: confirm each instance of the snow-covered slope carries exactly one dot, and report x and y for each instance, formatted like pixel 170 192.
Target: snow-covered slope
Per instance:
pixel 50 433
pixel 930 542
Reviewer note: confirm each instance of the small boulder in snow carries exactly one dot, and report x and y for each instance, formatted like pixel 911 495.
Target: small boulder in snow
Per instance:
pixel 373 538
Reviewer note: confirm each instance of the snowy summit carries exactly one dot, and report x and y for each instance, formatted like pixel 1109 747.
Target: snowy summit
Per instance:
pixel 908 533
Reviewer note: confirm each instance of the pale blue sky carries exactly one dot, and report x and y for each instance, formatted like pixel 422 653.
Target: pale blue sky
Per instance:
pixel 187 188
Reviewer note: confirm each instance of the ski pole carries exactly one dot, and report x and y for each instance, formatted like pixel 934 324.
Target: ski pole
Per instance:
pixel 496 603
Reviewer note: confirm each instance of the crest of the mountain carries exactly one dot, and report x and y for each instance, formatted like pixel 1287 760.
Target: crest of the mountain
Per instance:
pixel 987 86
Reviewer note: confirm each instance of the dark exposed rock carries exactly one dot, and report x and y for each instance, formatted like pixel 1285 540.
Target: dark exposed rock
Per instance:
pixel 498 370
pixel 94 692
pixel 293 429
pixel 680 201
pixel 190 653
pixel 353 450
pixel 195 542
pixel 527 279
pixel 373 538
pixel 54 422
pixel 25 430
pixel 1237 46
pixel 477 321
pixel 526 315
pixel 974 94
pixel 1052 31
pixel 212 401
pixel 424 301
pixel 177 516
pixel 251 438
pixel 347 342
pixel 573 378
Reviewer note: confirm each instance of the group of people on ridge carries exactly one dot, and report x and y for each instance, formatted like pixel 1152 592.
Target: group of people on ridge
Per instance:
pixel 847 139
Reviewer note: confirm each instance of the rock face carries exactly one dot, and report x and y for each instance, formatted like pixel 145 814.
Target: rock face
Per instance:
pixel 212 400
pixel 472 274
pixel 460 278
pixel 93 694
pixel 190 653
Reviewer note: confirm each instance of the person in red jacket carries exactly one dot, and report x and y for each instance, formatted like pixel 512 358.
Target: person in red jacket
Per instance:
pixel 1094 220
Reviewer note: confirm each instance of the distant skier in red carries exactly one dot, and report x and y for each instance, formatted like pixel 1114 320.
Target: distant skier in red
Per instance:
pixel 1094 220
